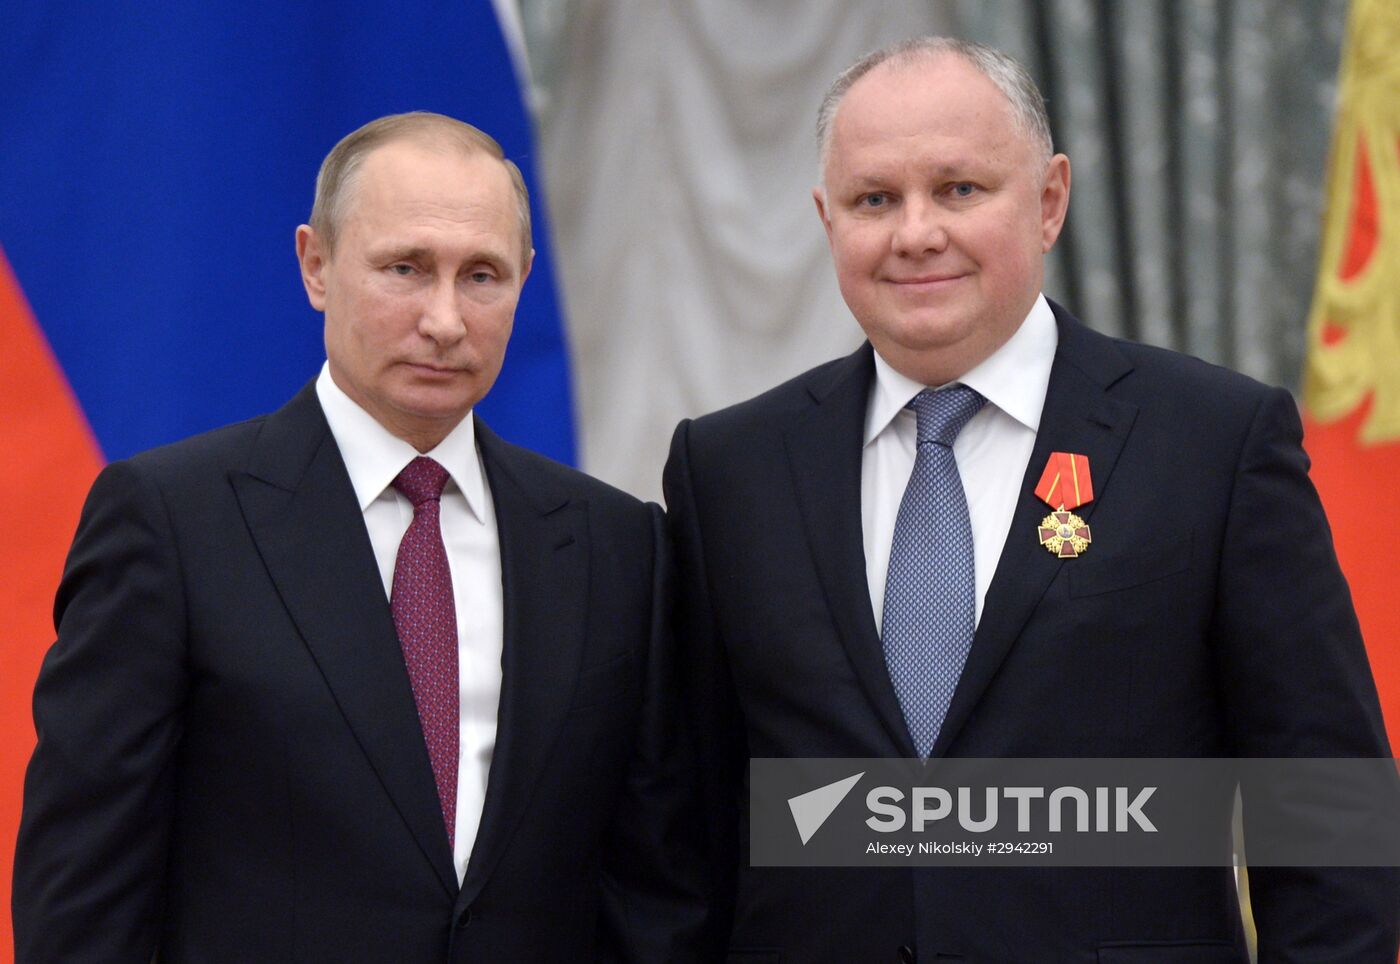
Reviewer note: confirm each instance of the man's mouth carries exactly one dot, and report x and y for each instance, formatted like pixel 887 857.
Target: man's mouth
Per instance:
pixel 432 369
pixel 927 280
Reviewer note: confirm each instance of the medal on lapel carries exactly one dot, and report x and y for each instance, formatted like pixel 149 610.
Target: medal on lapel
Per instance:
pixel 1064 486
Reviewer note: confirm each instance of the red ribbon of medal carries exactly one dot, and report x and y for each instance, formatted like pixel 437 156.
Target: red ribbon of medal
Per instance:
pixel 1065 485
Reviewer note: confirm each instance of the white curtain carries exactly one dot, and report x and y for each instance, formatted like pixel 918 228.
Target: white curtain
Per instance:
pixel 679 157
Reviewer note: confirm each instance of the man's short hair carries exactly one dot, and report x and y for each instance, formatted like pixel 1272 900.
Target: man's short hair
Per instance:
pixel 335 182
pixel 1027 103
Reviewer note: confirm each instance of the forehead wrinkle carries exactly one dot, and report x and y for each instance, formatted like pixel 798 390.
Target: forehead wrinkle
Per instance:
pixel 891 164
pixel 418 224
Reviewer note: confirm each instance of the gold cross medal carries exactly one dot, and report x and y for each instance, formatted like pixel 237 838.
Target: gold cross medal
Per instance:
pixel 1065 485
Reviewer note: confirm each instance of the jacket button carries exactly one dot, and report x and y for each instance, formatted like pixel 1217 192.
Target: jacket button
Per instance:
pixel 905 955
pixel 464 919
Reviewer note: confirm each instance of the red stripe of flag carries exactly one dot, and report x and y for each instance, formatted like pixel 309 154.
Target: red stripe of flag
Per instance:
pixel 52 459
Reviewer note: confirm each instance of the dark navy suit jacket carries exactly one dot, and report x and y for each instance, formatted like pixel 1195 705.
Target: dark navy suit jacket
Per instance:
pixel 230 765
pixel 1208 619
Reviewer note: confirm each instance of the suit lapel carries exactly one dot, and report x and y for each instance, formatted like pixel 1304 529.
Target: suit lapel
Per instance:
pixel 544 572
pixel 302 512
pixel 1079 416
pixel 824 453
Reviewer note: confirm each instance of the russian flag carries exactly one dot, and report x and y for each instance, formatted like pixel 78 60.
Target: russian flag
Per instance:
pixel 156 160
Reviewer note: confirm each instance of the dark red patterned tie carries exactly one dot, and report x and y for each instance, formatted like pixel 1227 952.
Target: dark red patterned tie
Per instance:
pixel 426 619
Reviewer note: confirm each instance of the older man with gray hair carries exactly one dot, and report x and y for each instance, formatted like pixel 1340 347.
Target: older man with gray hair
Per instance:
pixel 359 681
pixel 885 557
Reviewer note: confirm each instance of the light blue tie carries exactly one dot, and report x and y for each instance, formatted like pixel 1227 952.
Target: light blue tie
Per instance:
pixel 930 595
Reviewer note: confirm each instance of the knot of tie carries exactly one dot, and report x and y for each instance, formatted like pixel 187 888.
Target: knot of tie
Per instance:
pixel 421 480
pixel 942 414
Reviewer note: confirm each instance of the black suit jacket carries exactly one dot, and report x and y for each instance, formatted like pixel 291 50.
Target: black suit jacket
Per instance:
pixel 230 765
pixel 1208 619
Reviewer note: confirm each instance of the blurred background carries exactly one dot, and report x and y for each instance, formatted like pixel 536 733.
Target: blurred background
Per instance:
pixel 155 160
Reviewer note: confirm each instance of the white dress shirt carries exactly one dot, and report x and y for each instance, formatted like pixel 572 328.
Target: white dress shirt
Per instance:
pixel 373 457
pixel 992 450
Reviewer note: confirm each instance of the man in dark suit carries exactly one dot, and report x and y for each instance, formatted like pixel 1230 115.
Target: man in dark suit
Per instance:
pixel 863 565
pixel 358 680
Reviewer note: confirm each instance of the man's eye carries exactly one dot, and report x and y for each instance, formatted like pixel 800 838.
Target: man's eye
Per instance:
pixel 964 189
pixel 402 270
pixel 874 201
pixel 481 277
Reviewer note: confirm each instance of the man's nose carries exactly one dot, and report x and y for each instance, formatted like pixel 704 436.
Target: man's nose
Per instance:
pixel 922 228
pixel 442 319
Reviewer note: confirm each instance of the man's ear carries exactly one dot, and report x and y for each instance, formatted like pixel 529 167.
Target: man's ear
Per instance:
pixel 819 196
pixel 312 255
pixel 1054 201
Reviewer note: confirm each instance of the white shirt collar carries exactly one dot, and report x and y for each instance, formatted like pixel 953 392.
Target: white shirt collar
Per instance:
pixel 374 456
pixel 1014 378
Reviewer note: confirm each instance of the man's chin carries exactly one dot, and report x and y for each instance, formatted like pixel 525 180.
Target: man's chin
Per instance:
pixel 929 330
pixel 933 355
pixel 446 413
pixel 434 404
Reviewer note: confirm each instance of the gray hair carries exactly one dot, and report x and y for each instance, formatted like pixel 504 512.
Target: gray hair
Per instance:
pixel 1027 104
pixel 336 180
